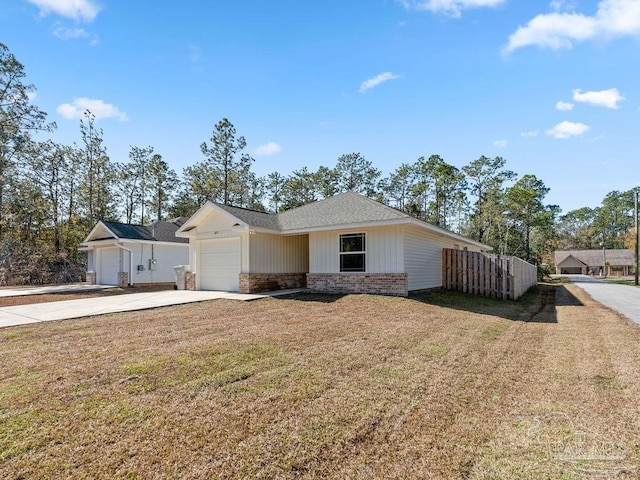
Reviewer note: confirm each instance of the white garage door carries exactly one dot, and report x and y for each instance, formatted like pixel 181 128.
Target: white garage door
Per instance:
pixel 109 266
pixel 220 265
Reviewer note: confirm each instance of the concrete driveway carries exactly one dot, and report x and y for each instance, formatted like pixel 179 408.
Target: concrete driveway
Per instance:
pixel 45 312
pixel 624 299
pixel 69 288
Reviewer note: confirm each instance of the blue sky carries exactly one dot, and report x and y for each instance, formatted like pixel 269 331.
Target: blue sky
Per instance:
pixel 550 86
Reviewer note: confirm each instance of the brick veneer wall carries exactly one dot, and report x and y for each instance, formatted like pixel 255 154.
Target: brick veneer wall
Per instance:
pixel 123 279
pixel 190 281
pixel 377 283
pixel 91 278
pixel 265 282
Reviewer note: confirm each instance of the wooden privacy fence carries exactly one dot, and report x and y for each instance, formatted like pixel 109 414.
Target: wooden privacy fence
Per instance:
pixel 499 276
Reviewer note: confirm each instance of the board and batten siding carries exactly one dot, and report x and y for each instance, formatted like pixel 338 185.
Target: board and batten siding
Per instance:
pixel 278 254
pixel 384 250
pixel 423 257
pixel 215 221
pixel 216 225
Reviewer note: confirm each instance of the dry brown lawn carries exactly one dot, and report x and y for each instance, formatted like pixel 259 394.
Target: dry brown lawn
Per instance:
pixel 58 297
pixel 440 386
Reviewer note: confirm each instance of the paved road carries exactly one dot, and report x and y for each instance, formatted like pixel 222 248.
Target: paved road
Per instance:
pixel 622 298
pixel 66 309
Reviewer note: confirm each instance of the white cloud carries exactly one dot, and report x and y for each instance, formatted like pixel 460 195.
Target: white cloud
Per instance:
pixel 614 18
pixel 603 98
pixel 31 96
pixel 270 148
pixel 530 134
pixel 564 106
pixel 99 108
pixel 559 5
pixel 83 10
pixel 449 7
pixel 500 143
pixel 567 129
pixel 66 33
pixel 377 80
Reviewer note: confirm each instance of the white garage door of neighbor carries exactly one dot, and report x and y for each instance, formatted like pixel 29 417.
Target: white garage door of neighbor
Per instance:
pixel 220 265
pixel 109 266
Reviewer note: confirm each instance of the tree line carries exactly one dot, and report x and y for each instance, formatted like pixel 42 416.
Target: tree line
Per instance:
pixel 51 194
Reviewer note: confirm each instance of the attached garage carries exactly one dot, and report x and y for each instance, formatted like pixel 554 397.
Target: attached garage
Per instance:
pixel 220 264
pixel 571 270
pixel 109 266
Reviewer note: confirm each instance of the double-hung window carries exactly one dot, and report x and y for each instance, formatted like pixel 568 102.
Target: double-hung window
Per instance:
pixel 352 252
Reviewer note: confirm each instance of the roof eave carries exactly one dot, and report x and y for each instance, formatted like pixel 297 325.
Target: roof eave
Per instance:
pixel 183 231
pixel 93 230
pixel 344 226
pixel 446 233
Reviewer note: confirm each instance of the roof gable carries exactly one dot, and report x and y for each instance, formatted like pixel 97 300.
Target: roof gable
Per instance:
pixel 345 209
pixel 130 232
pixel 163 231
pixel 571 261
pixel 253 218
pixel 622 256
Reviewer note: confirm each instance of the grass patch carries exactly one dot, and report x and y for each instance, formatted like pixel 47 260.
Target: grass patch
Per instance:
pixel 439 385
pixel 622 281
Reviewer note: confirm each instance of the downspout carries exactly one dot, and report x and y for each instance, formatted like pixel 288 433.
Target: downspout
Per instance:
pixel 130 262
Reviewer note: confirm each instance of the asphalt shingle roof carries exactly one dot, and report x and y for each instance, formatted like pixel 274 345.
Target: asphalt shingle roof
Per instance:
pixel 594 257
pixel 345 208
pixel 125 230
pixel 166 231
pixel 158 231
pixel 342 209
pixel 252 217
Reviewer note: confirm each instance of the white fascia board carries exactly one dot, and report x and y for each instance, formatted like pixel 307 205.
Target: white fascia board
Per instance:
pixel 347 226
pixel 264 230
pixel 94 229
pixel 188 234
pixel 100 243
pixel 152 242
pixel 446 233
pixel 202 211
pixel 113 241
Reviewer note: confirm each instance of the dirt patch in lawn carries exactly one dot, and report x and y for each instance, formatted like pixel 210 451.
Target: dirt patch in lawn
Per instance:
pixel 440 385
pixel 58 297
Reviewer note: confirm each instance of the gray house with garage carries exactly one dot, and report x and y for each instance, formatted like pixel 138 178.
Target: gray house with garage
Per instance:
pixel 619 261
pixel 344 244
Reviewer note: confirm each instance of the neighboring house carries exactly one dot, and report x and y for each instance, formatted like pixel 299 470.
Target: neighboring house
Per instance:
pixel 592 262
pixel 344 244
pixel 124 254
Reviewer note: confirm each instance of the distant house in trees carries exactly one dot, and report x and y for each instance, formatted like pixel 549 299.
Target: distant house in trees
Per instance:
pixel 124 254
pixel 592 262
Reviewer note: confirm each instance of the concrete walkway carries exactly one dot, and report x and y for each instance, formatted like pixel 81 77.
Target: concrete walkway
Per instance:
pixel 45 312
pixel 69 288
pixel 624 299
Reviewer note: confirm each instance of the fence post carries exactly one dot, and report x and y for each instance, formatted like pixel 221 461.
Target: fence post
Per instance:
pixel 504 277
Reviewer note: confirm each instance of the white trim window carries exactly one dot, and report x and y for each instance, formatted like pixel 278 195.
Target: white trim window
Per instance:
pixel 353 252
